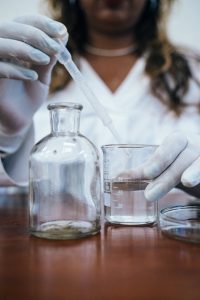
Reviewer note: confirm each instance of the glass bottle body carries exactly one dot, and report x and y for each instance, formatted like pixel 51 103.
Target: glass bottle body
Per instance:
pixel 64 180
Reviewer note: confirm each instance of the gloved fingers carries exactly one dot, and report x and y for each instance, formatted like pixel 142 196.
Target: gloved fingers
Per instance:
pixel 172 175
pixel 51 27
pixel 161 159
pixel 29 35
pixel 44 72
pixel 17 50
pixel 191 176
pixel 164 156
pixel 9 70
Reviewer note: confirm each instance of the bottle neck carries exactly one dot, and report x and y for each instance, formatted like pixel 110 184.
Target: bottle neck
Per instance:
pixel 64 120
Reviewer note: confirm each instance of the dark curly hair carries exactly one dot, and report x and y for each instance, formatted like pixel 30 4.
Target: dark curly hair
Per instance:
pixel 167 66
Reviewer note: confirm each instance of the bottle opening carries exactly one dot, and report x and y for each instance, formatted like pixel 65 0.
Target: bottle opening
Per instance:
pixel 68 105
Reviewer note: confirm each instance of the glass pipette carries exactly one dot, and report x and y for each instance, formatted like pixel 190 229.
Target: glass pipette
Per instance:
pixel 64 57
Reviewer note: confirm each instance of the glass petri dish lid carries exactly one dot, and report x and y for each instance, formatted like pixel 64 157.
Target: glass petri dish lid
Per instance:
pixel 181 222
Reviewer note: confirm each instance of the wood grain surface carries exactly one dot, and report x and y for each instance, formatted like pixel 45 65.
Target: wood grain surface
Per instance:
pixel 119 263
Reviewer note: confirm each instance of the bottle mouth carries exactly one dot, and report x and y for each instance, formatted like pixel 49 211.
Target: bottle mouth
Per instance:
pixel 68 105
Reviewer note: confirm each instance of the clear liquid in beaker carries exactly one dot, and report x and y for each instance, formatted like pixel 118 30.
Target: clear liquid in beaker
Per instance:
pixel 126 204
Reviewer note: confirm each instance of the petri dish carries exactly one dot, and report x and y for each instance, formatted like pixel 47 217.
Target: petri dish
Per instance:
pixel 181 222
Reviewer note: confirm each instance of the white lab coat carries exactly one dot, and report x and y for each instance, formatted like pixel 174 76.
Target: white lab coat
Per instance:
pixel 137 115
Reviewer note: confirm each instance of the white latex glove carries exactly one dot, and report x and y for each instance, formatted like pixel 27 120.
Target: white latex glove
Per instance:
pixel 27 56
pixel 176 160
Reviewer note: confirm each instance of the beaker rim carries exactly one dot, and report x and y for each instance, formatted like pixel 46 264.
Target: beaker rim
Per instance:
pixel 69 105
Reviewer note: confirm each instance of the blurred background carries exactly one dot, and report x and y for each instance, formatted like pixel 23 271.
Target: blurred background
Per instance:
pixel 182 28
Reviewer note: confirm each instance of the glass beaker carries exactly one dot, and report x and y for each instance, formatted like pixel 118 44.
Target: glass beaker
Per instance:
pixel 64 179
pixel 124 200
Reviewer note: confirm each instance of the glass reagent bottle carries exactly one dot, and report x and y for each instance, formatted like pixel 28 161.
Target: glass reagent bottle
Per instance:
pixel 64 179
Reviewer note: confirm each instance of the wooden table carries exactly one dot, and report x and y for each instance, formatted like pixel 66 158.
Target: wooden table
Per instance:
pixel 120 263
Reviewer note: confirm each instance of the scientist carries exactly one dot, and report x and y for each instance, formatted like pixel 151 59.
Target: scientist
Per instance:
pixel 149 87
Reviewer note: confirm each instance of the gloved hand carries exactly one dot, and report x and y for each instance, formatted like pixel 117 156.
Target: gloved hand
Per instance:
pixel 176 160
pixel 27 56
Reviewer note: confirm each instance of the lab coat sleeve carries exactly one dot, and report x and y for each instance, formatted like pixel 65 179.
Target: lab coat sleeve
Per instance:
pixel 19 101
pixel 14 166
